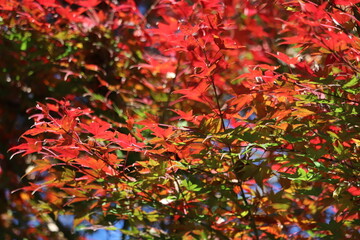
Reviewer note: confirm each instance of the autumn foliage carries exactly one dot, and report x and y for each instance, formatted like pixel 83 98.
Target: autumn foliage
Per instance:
pixel 199 119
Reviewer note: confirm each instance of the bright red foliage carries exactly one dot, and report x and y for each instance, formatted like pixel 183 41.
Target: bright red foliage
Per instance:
pixel 201 119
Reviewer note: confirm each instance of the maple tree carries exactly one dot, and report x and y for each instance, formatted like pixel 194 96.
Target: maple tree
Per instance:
pixel 195 119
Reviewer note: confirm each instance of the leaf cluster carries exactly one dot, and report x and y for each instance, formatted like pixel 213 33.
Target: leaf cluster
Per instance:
pixel 196 120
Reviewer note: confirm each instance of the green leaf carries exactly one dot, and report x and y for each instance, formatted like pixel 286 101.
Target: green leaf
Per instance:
pixel 23 46
pixel 111 228
pixel 190 186
pixel 354 81
pixel 315 191
pixel 333 135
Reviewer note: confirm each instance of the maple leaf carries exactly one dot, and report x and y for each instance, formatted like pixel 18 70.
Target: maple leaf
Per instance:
pixel 197 93
pixel 225 43
pixel 86 3
pixel 99 129
pixel 355 191
pixel 188 116
pixel 346 2
pixel 284 58
pixel 30 146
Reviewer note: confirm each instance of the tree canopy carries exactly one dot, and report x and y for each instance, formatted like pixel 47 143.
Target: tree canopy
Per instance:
pixel 184 119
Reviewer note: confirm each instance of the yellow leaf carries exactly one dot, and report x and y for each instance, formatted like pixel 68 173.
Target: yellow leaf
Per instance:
pixel 356 141
pixel 212 125
pixel 302 112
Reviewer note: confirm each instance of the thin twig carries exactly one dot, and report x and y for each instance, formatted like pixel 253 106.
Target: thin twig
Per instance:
pixel 172 87
pixel 252 219
pixel 152 7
